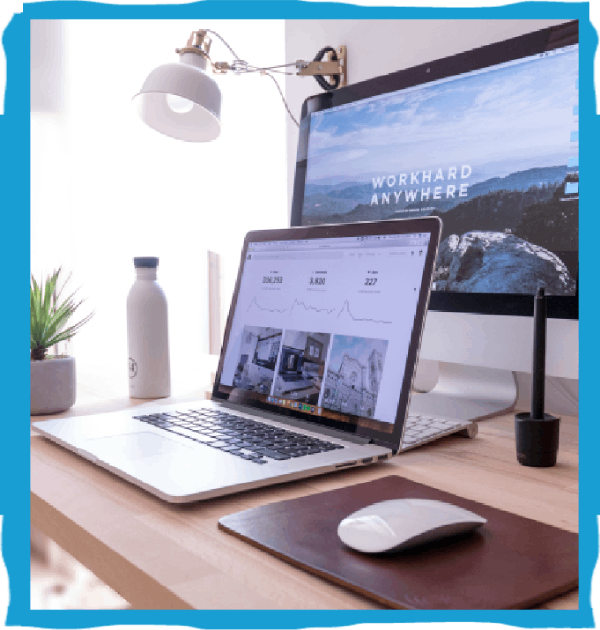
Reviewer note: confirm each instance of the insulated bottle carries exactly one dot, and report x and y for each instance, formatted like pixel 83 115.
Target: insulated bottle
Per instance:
pixel 147 333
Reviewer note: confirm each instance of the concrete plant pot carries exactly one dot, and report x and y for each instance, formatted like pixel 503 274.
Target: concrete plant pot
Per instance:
pixel 52 385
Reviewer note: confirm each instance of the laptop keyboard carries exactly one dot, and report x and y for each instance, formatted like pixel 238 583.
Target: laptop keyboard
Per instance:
pixel 251 440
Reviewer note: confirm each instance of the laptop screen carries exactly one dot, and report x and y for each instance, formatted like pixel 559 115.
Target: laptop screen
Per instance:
pixel 321 328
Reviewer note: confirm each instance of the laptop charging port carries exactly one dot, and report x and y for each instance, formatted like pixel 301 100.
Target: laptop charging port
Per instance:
pixel 346 465
pixel 381 458
pixel 367 461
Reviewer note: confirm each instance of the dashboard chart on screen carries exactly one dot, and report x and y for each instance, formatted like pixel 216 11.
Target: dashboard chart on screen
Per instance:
pixel 318 325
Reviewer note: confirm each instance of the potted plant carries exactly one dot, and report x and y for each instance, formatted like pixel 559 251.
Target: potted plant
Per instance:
pixel 52 376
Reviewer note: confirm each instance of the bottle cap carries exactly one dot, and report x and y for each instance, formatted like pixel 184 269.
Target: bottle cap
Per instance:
pixel 145 262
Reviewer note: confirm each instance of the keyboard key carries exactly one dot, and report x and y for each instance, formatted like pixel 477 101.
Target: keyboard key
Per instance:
pixel 242 455
pixel 204 438
pixel 271 454
pixel 230 449
pixel 184 432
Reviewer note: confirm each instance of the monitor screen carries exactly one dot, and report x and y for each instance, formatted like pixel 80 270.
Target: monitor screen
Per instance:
pixel 493 151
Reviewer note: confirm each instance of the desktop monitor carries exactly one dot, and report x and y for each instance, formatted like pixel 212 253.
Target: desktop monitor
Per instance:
pixel 487 140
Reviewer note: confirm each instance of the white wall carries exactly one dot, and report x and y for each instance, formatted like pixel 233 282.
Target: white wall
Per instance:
pixel 106 188
pixel 378 47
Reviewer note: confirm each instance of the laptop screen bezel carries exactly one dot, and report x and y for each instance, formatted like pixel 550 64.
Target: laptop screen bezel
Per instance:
pixel 430 225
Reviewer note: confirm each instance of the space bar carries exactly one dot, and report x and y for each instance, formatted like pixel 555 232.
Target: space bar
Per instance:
pixel 191 434
pixel 269 453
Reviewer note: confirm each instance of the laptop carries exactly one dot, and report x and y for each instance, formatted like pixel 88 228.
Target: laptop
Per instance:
pixel 314 376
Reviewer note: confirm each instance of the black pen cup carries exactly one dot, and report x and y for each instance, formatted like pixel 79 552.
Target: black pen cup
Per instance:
pixel 537 440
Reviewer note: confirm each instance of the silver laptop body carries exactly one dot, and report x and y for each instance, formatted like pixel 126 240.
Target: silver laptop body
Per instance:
pixel 314 376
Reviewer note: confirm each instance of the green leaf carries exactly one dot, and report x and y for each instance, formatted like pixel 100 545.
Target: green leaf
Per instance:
pixel 49 314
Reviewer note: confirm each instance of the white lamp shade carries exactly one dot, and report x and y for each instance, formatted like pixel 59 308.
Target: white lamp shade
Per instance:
pixel 181 100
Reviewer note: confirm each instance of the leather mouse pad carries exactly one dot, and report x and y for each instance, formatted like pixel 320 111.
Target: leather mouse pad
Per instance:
pixel 511 562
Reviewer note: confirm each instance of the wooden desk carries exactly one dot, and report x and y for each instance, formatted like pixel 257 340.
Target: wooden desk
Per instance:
pixel 157 555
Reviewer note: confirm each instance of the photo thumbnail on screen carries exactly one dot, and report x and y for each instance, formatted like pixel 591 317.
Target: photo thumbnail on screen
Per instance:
pixel 353 375
pixel 257 358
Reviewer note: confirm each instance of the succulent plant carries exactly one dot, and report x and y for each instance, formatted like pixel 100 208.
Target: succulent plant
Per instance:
pixel 50 315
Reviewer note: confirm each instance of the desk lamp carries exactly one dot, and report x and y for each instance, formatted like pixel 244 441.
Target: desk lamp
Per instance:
pixel 183 101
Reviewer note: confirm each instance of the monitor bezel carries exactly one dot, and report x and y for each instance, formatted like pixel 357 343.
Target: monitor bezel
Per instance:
pixel 544 40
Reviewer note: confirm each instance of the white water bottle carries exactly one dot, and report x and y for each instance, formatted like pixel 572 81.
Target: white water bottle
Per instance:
pixel 147 334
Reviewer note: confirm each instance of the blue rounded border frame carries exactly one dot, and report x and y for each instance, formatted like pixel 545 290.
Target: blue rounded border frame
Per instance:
pixel 14 462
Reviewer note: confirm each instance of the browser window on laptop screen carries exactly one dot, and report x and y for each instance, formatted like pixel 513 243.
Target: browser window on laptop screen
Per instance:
pixel 323 326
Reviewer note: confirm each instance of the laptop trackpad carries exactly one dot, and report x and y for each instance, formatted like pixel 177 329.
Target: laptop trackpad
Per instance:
pixel 134 446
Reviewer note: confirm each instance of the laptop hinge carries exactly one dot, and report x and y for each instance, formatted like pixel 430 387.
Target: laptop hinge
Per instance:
pixel 393 447
pixel 295 422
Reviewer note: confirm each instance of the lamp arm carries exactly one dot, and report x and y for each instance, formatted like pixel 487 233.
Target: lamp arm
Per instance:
pixel 335 66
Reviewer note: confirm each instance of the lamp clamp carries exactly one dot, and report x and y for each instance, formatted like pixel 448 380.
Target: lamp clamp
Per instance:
pixel 329 67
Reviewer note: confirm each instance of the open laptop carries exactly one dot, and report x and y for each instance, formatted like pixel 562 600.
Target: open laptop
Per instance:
pixel 315 373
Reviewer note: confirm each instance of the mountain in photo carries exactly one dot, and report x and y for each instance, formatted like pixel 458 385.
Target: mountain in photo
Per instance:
pixel 324 203
pixel 496 211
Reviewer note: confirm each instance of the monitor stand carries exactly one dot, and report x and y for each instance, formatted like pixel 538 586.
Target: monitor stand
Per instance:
pixel 465 392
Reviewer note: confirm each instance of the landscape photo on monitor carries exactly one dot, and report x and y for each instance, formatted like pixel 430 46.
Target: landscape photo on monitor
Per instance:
pixel 493 153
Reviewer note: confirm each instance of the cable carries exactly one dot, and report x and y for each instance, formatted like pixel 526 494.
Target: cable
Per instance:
pixel 268 74
pixel 226 44
pixel 239 66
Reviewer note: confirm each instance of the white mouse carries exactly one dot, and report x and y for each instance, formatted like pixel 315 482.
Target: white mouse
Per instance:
pixel 403 523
